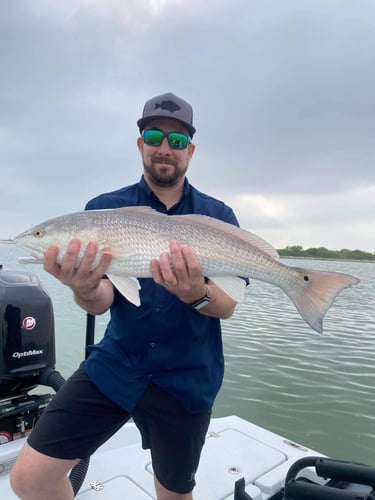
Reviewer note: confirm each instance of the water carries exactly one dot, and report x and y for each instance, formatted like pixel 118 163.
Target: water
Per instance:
pixel 317 390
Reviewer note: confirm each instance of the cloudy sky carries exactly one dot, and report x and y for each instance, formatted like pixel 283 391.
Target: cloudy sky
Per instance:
pixel 283 95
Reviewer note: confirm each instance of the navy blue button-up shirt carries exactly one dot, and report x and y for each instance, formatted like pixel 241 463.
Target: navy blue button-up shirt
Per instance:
pixel 164 341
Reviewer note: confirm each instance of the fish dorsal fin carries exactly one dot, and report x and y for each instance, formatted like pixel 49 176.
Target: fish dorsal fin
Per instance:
pixel 231 230
pixel 140 209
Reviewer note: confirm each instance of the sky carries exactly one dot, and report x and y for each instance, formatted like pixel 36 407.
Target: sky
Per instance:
pixel 283 94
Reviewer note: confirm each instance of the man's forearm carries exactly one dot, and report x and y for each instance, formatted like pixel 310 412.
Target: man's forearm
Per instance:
pixel 220 306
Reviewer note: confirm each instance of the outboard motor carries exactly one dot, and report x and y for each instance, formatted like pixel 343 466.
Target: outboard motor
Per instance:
pixel 27 335
pixel 27 351
pixel 27 359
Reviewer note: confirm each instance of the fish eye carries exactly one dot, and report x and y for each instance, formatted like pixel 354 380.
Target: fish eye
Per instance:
pixel 39 233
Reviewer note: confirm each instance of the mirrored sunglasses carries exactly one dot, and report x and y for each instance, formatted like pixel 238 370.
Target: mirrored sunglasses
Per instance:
pixel 176 140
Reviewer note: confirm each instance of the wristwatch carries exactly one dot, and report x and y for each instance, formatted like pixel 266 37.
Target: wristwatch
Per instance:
pixel 203 301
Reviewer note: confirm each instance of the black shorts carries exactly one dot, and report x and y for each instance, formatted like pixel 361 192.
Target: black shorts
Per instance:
pixel 80 418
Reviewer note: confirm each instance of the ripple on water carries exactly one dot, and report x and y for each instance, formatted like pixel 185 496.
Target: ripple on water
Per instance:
pixel 316 389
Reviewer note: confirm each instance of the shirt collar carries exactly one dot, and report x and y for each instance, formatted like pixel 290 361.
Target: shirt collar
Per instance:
pixel 153 198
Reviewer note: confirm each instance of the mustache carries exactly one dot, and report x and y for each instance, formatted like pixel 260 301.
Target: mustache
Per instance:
pixel 163 159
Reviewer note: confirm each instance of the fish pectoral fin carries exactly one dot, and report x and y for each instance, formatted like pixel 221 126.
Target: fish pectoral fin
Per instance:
pixel 117 252
pixel 231 285
pixel 105 247
pixel 128 287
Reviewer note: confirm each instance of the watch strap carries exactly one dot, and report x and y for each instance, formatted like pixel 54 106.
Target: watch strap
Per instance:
pixel 202 302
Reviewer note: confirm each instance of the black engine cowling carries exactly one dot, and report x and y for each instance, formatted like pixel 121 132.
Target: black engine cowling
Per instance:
pixel 27 336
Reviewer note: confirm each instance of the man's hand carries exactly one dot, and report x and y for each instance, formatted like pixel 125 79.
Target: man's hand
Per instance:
pixel 85 281
pixel 179 272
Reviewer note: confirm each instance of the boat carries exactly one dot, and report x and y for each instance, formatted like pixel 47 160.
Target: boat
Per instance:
pixel 240 460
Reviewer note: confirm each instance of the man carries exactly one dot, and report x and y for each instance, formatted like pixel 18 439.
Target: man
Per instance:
pixel 160 363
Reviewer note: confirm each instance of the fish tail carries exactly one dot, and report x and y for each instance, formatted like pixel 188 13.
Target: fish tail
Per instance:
pixel 317 293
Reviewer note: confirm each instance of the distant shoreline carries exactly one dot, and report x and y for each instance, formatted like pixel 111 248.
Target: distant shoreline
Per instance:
pixel 326 258
pixel 322 253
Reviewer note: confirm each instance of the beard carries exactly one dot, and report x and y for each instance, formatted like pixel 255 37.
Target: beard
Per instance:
pixel 164 176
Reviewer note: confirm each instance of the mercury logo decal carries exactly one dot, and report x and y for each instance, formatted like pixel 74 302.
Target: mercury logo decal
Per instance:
pixel 29 323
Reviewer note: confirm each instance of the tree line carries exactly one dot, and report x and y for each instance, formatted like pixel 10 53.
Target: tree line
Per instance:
pixel 325 253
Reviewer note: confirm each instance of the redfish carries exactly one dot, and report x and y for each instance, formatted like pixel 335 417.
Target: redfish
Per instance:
pixel 135 235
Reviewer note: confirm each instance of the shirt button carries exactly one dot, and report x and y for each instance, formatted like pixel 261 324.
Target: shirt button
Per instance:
pixel 152 344
pixel 157 309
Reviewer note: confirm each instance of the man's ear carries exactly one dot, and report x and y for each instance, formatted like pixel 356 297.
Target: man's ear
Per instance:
pixel 140 144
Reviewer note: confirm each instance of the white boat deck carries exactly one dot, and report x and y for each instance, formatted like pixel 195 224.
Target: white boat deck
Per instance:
pixel 235 448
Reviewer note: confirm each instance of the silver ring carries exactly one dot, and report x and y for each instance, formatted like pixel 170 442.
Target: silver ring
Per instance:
pixel 171 283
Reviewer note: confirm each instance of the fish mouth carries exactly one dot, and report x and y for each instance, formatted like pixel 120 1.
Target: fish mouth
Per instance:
pixel 34 257
pixel 29 260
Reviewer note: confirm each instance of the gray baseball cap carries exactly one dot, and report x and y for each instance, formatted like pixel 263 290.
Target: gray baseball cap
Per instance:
pixel 168 106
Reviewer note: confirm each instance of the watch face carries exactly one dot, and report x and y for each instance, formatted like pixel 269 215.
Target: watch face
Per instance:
pixel 201 303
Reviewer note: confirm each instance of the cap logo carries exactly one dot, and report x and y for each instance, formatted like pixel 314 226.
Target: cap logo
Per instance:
pixel 168 106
